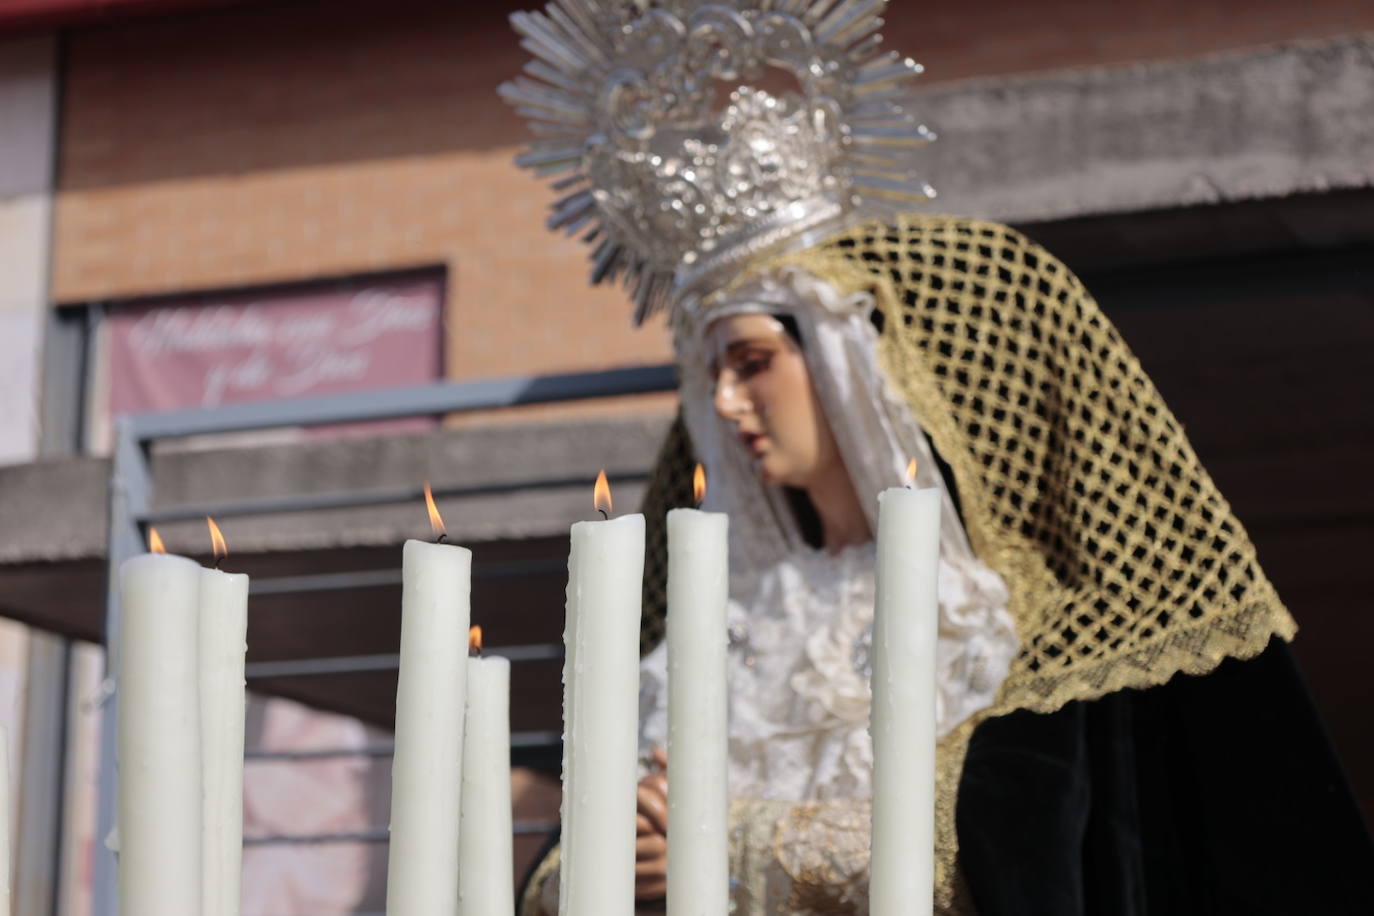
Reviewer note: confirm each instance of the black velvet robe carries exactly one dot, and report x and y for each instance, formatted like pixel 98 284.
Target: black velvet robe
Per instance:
pixel 1206 796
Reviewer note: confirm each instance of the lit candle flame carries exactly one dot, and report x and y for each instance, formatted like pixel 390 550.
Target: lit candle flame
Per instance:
pixel 217 543
pixel 601 493
pixel 155 544
pixel 436 521
pixel 699 484
pixel 474 640
pixel 911 472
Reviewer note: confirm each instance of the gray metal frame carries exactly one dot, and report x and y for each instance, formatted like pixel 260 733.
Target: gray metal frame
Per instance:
pixel 45 762
pixel 131 499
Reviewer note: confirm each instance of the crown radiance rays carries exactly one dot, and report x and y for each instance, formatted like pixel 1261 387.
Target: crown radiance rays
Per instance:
pixel 607 81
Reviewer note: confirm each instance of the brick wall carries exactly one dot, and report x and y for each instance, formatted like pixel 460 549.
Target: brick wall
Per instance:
pixel 290 141
pixel 969 38
pixel 275 144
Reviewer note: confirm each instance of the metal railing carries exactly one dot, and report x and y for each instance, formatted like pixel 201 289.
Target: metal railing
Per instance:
pixel 132 487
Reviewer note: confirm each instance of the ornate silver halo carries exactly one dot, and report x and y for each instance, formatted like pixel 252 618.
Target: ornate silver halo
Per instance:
pixel 671 187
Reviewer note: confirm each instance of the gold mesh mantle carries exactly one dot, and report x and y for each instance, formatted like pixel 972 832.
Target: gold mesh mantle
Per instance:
pixel 1125 564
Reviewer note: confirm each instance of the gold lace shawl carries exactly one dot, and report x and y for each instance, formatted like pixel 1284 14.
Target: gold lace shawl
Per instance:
pixel 1124 563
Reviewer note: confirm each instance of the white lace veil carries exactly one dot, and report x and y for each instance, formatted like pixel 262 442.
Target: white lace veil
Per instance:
pixel 877 436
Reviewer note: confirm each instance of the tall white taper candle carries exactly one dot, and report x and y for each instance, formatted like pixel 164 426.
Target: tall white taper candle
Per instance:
pixel 901 870
pixel 485 871
pixel 698 806
pixel 223 634
pixel 426 771
pixel 601 716
pixel 159 823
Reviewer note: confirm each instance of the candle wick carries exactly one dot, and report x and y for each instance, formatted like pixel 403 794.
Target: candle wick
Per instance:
pixel 443 536
pixel 603 514
pixel 218 561
pixel 474 652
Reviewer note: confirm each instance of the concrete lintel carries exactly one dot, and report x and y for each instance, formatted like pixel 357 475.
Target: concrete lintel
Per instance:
pixel 55 510
pixel 1263 123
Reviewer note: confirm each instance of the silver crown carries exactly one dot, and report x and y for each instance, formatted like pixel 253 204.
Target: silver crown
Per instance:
pixel 673 187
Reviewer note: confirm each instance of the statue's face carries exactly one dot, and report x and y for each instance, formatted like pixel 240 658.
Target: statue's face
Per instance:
pixel 764 389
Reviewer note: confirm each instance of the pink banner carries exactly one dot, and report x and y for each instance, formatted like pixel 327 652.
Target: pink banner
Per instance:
pixel 254 346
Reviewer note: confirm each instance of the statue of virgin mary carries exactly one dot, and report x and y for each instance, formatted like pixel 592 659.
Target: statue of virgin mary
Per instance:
pixel 1121 726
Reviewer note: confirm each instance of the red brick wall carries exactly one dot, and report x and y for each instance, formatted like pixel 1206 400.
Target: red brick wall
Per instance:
pixel 968 38
pixel 272 144
pixel 311 139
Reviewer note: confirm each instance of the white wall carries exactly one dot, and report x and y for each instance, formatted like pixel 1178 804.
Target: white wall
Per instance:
pixel 28 106
pixel 28 100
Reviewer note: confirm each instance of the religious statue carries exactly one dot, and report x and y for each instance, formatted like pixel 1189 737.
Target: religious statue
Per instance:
pixel 1122 729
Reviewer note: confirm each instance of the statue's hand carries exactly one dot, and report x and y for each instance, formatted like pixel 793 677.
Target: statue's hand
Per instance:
pixel 651 832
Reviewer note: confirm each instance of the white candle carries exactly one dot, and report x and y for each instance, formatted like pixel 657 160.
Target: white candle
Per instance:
pixel 485 870
pixel 426 771
pixel 223 635
pixel 901 871
pixel 698 807
pixel 601 717
pixel 158 741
